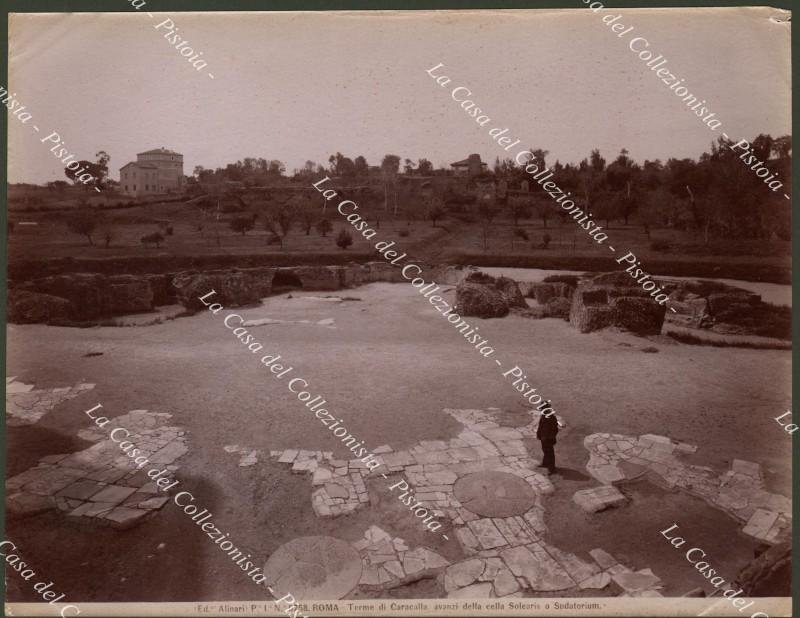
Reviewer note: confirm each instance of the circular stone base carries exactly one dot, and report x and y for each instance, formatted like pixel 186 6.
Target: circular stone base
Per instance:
pixel 494 494
pixel 314 567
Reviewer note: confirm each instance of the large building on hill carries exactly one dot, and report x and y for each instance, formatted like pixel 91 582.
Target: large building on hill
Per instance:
pixel 154 171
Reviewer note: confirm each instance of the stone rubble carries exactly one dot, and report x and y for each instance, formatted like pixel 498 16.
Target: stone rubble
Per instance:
pixel 506 555
pixel 388 562
pixel 26 405
pixel 740 491
pixel 100 484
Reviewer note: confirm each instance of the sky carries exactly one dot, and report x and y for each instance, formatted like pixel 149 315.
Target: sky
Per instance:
pixel 301 85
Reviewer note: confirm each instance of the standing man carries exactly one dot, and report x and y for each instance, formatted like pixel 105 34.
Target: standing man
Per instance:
pixel 546 433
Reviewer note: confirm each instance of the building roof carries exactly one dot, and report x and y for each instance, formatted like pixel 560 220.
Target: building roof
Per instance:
pixel 473 158
pixel 161 150
pixel 148 166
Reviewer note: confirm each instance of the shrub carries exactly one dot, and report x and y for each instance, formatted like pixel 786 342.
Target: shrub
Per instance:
pixel 82 222
pixel 170 231
pixel 324 227
pixel 520 233
pixel 242 224
pixel 344 239
pixel 404 233
pixel 660 245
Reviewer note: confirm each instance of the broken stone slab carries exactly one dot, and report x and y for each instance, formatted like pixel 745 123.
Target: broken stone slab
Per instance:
pixel 596 582
pixel 505 583
pixel 321 476
pixel 603 558
pixel 369 575
pixel 304 465
pixel 335 490
pixel 599 498
pixel 468 540
pixel 81 490
pixel 123 517
pixel 412 565
pixel 541 571
pixel 92 509
pixel 759 524
pixel 576 568
pixel 288 456
pixel 248 459
pixel 606 474
pixel 153 503
pixel 463 573
pixel 113 493
pixel 22 505
pixel 636 582
pixel 747 468
pixel 487 533
pixel 46 482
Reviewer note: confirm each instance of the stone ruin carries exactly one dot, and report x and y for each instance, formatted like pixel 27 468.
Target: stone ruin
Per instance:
pixel 75 299
pixel 614 299
pixel 483 296
pixel 609 299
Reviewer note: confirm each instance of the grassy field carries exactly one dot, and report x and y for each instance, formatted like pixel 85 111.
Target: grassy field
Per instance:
pixel 454 240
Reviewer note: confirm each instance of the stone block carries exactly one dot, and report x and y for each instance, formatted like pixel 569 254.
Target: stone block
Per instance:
pixel 113 493
pixel 82 490
pixel 123 517
pixel 598 498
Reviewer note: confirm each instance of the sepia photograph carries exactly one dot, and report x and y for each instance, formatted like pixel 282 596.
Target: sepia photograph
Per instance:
pixel 428 311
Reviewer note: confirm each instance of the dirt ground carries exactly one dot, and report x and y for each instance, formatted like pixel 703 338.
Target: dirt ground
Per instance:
pixel 388 368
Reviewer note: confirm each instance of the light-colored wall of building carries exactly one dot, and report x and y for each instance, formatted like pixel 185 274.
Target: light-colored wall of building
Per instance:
pixel 166 177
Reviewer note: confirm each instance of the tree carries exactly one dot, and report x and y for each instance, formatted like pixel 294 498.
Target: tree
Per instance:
pixel 424 167
pixel 276 168
pixel 543 209
pixel 342 166
pixel 107 233
pixel 361 167
pixel 279 222
pixel 324 227
pixel 435 212
pixel 89 169
pixel 307 218
pixel 519 210
pixel 391 164
pixel 83 222
pixel 90 174
pixel 487 214
pixel 344 239
pixel 155 238
pixel 242 224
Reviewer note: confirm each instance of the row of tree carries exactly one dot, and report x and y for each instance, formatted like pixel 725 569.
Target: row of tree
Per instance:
pixel 717 195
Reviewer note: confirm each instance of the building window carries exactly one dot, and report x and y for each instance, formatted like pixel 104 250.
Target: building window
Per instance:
pixel 134 187
pixel 126 187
